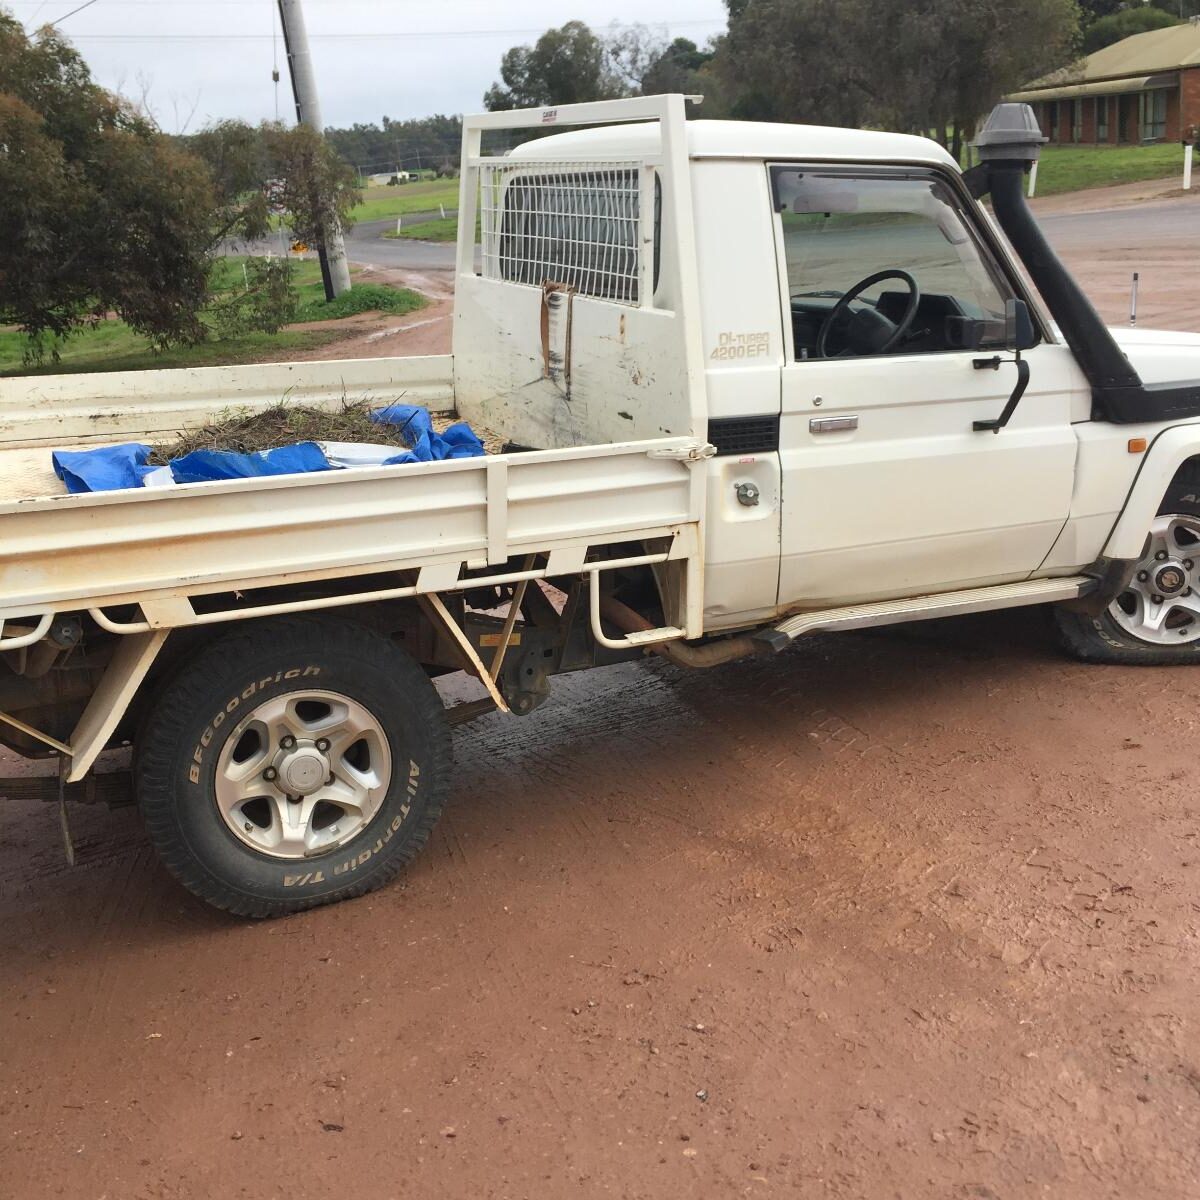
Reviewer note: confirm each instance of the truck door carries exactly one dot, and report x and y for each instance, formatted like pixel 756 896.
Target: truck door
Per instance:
pixel 887 490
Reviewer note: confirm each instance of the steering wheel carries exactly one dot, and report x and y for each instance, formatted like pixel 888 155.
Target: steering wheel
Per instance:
pixel 869 331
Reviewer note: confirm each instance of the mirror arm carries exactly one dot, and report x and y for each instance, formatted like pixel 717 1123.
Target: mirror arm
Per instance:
pixel 999 423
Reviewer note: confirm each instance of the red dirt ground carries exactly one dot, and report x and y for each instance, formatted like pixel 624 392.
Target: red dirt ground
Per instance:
pixel 912 913
pixel 905 914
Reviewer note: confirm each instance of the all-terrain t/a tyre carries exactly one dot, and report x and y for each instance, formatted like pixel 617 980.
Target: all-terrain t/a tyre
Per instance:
pixel 292 763
pixel 1156 620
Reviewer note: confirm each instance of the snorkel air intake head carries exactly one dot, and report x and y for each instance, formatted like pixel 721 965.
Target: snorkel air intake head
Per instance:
pixel 1011 133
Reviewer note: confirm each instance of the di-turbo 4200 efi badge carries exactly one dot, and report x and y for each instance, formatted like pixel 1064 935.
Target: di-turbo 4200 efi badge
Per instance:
pixel 742 345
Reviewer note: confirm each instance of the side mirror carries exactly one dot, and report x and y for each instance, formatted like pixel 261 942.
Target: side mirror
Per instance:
pixel 967 333
pixel 1019 333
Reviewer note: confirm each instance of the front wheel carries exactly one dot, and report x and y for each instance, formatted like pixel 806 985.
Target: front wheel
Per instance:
pixel 293 763
pixel 1156 619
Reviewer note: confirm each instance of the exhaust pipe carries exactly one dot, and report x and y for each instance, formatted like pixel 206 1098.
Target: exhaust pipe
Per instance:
pixel 714 654
pixel 1009 143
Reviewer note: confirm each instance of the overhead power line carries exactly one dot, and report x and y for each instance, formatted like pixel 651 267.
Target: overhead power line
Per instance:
pixel 86 4
pixel 377 35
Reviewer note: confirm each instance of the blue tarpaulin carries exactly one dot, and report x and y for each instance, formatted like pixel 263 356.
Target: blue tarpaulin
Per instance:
pixel 110 467
pixel 102 470
pixel 416 427
pixel 203 466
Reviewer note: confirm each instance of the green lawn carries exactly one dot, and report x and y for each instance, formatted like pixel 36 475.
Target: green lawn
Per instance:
pixel 436 230
pixel 362 297
pixel 1074 168
pixel 380 202
pixel 113 346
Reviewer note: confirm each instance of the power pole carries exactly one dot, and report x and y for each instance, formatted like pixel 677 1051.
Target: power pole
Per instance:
pixel 335 271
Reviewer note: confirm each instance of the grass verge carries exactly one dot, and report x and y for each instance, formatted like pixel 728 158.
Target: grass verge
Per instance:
pixel 113 346
pixel 428 231
pixel 1077 168
pixel 381 202
pixel 361 298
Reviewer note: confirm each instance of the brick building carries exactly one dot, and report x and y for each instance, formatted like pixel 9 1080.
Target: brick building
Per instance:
pixel 1143 89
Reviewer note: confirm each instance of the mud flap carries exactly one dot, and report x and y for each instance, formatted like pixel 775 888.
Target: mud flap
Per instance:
pixel 132 660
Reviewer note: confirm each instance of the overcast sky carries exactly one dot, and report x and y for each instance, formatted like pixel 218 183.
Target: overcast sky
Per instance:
pixel 399 57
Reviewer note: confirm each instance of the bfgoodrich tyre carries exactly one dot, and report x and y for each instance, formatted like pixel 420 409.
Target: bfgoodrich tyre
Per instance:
pixel 292 763
pixel 1156 619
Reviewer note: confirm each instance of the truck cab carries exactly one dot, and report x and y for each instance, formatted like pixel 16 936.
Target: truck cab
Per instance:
pixel 894 410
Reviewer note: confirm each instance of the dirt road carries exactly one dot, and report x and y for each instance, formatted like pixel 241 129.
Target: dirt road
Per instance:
pixel 913 913
pixel 1159 239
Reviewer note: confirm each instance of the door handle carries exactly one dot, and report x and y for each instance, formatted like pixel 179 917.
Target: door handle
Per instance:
pixel 998 423
pixel 831 424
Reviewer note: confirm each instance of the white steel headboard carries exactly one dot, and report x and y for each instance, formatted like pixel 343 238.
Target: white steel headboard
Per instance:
pixel 577 306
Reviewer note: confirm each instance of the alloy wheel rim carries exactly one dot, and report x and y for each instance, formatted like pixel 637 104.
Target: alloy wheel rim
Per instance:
pixel 1161 604
pixel 302 774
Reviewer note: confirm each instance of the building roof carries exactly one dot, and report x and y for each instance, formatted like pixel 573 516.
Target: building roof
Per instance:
pixel 1145 57
pixel 741 139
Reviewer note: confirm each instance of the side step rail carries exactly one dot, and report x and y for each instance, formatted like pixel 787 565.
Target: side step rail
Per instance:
pixel 924 608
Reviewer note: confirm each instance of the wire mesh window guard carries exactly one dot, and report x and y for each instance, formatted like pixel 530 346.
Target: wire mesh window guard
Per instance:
pixel 575 224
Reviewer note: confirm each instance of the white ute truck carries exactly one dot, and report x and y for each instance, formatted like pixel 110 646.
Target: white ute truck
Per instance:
pixel 753 381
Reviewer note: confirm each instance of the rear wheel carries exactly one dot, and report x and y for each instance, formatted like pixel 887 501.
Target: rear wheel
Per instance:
pixel 292 763
pixel 1156 619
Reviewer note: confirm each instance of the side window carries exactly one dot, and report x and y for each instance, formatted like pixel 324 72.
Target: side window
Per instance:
pixel 941 291
pixel 1153 111
pixel 580 229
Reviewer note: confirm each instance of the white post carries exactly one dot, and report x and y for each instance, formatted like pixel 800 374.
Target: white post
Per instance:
pixel 443 207
pixel 308 112
pixel 398 219
pixel 1187 167
pixel 1033 180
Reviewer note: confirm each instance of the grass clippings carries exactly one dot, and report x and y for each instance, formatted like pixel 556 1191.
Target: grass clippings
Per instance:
pixel 247 431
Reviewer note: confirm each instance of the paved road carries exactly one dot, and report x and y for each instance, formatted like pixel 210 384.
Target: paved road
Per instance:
pixel 367 246
pixel 1171 222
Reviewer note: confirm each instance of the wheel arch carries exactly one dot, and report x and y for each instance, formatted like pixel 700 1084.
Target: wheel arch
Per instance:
pixel 1174 452
pixel 134 693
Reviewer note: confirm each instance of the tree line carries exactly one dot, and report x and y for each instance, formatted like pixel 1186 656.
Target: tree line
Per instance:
pixel 424 143
pixel 100 212
pixel 1108 21
pixel 919 66
pixel 913 65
